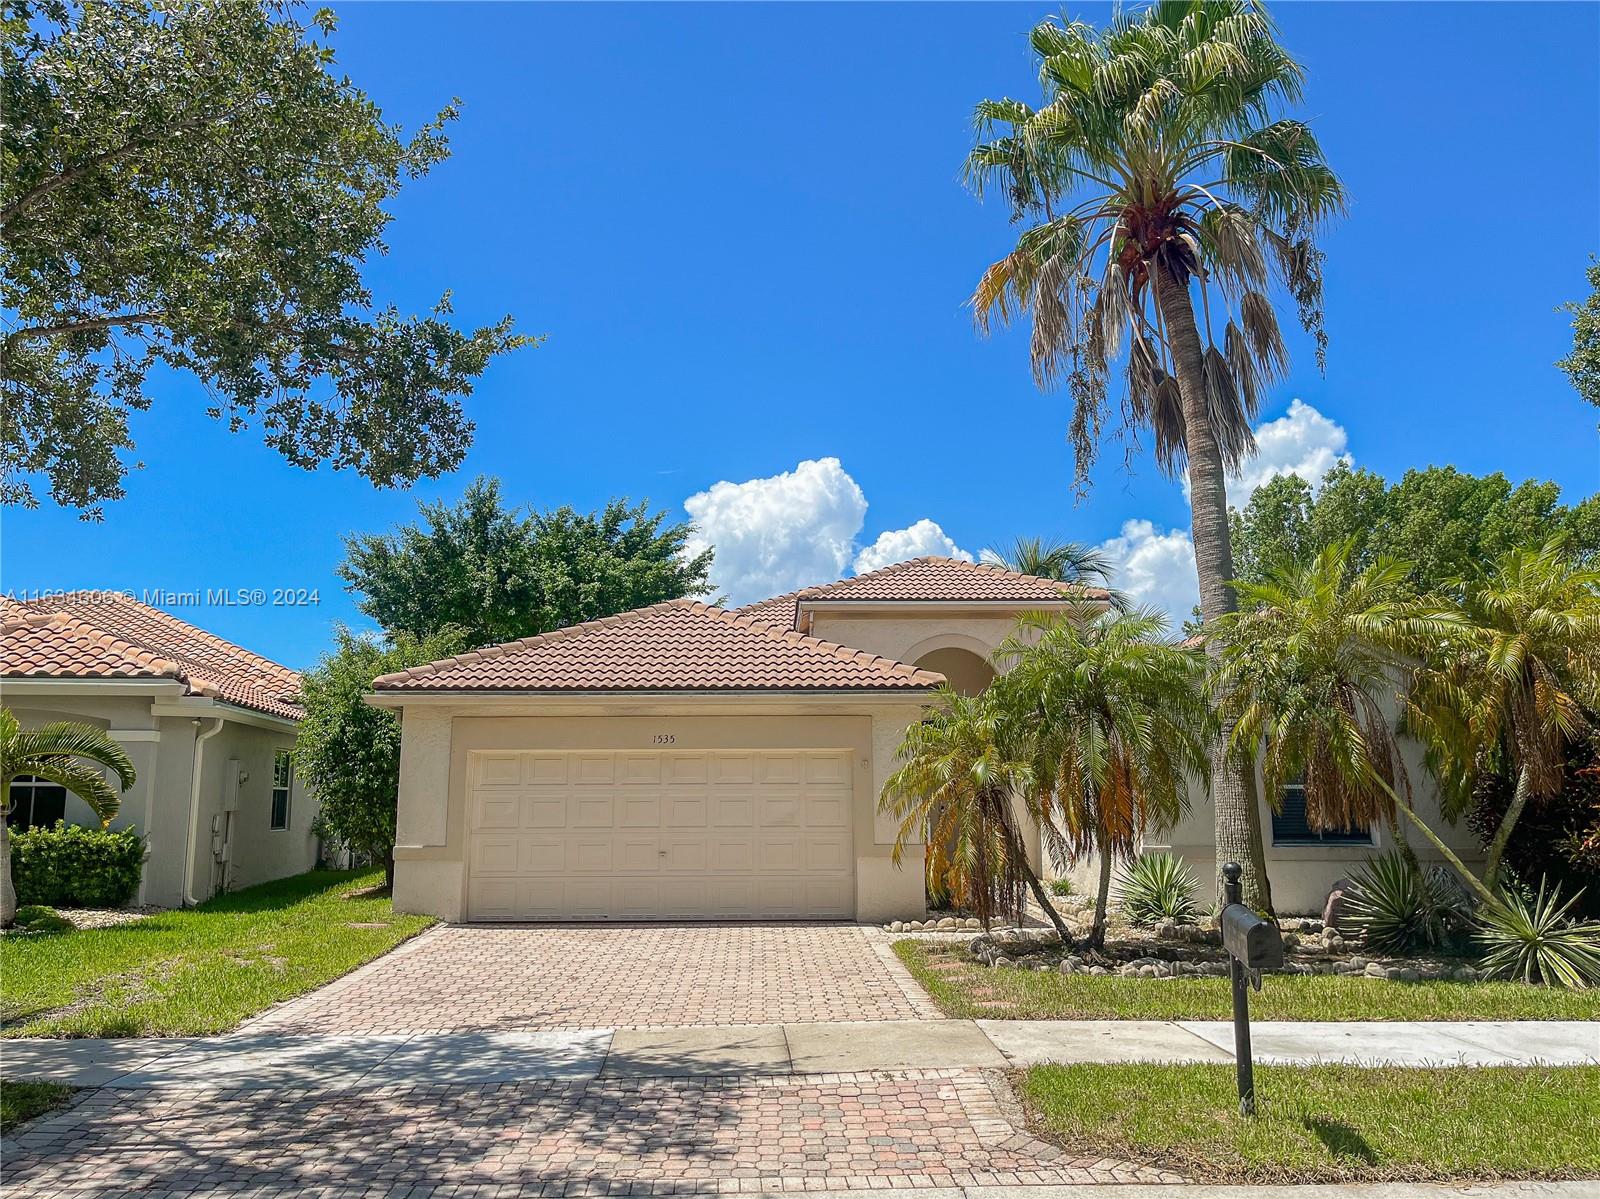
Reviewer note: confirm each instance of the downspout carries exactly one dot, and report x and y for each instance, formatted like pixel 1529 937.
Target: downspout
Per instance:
pixel 194 806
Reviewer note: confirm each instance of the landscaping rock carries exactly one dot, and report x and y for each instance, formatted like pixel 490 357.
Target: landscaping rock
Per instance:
pixel 1464 974
pixel 1335 912
pixel 1376 970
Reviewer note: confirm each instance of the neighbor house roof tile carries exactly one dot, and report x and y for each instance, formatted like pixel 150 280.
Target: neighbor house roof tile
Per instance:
pixel 926 580
pixel 108 634
pixel 681 645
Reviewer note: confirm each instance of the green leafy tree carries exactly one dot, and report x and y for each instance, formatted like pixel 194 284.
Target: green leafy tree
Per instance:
pixel 1583 364
pixel 963 768
pixel 1116 722
pixel 496 573
pixel 1308 663
pixel 1164 200
pixel 1515 684
pixel 195 185
pixel 65 753
pixel 1447 524
pixel 347 751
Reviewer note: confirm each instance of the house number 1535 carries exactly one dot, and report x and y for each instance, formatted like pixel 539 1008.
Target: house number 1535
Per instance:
pixel 665 739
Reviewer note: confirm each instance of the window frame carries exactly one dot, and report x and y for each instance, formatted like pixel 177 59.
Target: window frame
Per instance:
pixel 285 788
pixel 32 785
pixel 1354 838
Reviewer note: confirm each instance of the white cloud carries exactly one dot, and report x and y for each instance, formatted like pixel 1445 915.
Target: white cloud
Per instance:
pixel 917 541
pixel 1301 442
pixel 1155 568
pixel 776 534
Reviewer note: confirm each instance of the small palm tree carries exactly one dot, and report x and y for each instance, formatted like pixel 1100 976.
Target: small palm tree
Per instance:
pixel 1516 683
pixel 1061 561
pixel 1305 666
pixel 1164 202
pixel 1117 722
pixel 957 789
pixel 58 753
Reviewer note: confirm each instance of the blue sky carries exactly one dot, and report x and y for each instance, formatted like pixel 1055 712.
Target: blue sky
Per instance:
pixel 742 231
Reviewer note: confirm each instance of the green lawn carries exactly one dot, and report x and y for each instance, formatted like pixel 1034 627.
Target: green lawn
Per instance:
pixel 964 989
pixel 1326 1123
pixel 21 1101
pixel 202 970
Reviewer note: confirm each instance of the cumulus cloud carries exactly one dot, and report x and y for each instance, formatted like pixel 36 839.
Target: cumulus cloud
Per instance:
pixel 1301 442
pixel 919 540
pixel 776 534
pixel 1155 568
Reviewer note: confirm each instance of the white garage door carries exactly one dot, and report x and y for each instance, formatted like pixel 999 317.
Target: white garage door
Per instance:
pixel 671 835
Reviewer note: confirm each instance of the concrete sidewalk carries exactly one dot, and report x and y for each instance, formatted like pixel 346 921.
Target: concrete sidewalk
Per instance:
pixel 348 1061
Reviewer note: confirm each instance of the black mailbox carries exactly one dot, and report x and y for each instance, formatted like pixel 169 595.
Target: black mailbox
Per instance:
pixel 1255 942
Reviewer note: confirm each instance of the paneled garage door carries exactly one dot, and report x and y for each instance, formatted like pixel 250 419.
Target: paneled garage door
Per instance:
pixel 671 835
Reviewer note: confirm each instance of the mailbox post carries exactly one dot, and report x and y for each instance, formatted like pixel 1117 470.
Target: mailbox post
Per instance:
pixel 1253 944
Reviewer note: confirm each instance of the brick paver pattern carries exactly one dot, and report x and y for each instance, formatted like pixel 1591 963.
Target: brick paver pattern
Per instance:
pixel 477 978
pixel 608 1136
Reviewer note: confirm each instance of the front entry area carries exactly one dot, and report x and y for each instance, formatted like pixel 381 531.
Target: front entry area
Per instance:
pixel 672 835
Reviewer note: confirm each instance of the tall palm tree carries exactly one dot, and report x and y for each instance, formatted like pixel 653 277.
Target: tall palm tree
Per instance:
pixel 1060 561
pixel 1156 177
pixel 60 753
pixel 1516 683
pixel 962 770
pixel 1117 721
pixel 1306 666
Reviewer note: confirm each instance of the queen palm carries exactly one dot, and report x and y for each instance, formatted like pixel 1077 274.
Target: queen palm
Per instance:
pixel 64 753
pixel 1117 722
pixel 1306 667
pixel 963 767
pixel 1516 683
pixel 1157 178
pixel 1060 561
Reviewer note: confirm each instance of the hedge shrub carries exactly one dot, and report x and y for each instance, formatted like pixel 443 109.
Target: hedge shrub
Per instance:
pixel 69 866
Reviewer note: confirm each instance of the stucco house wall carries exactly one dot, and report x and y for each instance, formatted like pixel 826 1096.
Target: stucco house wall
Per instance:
pixel 439 737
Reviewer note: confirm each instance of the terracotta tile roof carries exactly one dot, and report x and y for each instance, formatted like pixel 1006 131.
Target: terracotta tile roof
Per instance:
pixel 106 634
pixel 931 579
pixel 682 645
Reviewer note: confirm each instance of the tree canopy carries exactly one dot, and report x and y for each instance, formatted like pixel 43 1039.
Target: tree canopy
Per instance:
pixel 497 573
pixel 1444 523
pixel 347 751
pixel 1583 364
pixel 194 185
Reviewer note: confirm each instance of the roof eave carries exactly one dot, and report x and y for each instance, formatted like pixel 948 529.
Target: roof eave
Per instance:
pixel 397 697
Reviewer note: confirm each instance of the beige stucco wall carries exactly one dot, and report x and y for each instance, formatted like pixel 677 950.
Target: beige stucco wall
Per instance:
pixel 162 749
pixel 430 859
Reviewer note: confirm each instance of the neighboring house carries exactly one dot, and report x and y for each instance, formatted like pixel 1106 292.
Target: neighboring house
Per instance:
pixel 209 727
pixel 687 762
pixel 683 761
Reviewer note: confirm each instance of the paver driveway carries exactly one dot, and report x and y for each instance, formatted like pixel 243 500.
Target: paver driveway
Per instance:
pixel 609 1137
pixel 474 977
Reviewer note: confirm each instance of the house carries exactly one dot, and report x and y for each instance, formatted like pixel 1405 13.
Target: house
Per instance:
pixel 683 761
pixel 209 727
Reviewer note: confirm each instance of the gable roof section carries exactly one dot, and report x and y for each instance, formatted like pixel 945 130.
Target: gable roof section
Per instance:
pixel 926 580
pixel 681 645
pixel 110 635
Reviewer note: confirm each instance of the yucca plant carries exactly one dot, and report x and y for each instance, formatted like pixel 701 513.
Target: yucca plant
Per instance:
pixel 1401 909
pixel 1156 887
pixel 1535 940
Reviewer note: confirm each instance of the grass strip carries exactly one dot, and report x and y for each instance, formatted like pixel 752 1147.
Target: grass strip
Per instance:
pixel 200 970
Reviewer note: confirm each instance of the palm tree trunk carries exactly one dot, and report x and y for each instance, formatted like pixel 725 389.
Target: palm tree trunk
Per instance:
pixel 1445 851
pixel 1233 783
pixel 1019 862
pixel 1502 834
pixel 1102 901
